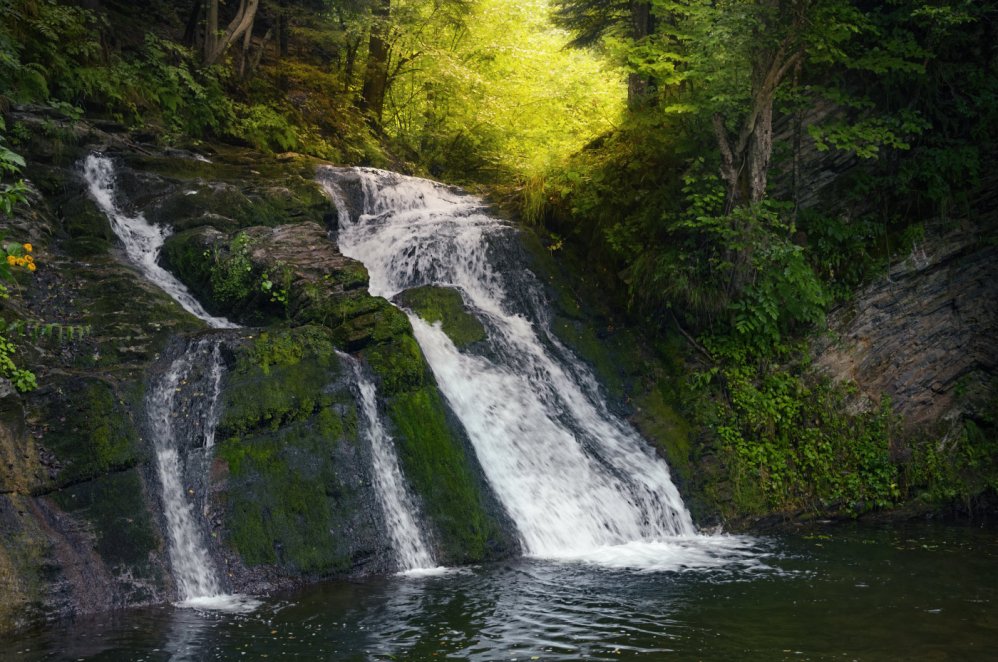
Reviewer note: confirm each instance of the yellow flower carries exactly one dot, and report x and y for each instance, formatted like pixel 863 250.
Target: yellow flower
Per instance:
pixel 27 247
pixel 20 262
pixel 11 260
pixel 29 259
pixel 31 266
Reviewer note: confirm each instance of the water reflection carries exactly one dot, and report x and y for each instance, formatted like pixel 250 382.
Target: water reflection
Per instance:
pixel 187 634
pixel 925 593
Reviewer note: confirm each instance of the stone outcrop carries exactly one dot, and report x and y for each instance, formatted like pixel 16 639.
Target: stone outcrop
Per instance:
pixel 926 334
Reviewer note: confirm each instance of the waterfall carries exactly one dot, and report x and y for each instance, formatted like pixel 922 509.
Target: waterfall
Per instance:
pixel 389 484
pixel 182 407
pixel 142 240
pixel 576 479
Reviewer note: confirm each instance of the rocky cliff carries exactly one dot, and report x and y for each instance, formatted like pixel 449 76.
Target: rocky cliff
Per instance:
pixel 288 497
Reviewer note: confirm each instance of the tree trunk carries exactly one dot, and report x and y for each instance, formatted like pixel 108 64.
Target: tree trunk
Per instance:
pixel 244 54
pixel 639 87
pixel 192 35
pixel 745 164
pixel 353 46
pixel 283 29
pixel 372 96
pixel 210 28
pixel 242 22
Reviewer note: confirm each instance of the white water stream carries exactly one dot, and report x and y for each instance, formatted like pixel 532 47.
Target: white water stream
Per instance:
pixel 412 552
pixel 578 481
pixel 194 571
pixel 142 240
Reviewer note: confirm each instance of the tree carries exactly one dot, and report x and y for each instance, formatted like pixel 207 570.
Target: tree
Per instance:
pixel 372 96
pixel 593 20
pixel 241 25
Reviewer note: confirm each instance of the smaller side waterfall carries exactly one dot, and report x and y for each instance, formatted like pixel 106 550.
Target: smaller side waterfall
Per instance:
pixel 183 410
pixel 399 508
pixel 142 240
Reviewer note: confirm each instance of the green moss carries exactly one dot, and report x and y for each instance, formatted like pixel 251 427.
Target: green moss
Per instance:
pixel 286 412
pixel 439 470
pixel 89 430
pixel 659 421
pixel 184 253
pixel 229 207
pixel 445 305
pixel 115 507
pixel 285 497
pixel 87 228
pixel 22 566
pixel 279 379
pixel 399 365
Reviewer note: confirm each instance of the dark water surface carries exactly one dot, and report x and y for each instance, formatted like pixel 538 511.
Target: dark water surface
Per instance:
pixel 912 592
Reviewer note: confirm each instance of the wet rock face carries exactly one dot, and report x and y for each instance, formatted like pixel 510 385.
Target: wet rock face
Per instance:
pixel 287 494
pixel 927 335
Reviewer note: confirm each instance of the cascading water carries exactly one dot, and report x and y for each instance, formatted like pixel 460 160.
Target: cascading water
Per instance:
pixel 412 552
pixel 193 569
pixel 182 409
pixel 175 423
pixel 142 240
pixel 576 479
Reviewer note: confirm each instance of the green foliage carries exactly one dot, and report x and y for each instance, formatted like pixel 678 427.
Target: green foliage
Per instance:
pixel 264 128
pixel 23 380
pixel 785 297
pixel 279 291
pixel 789 440
pixel 13 257
pixel 960 465
pixel 845 252
pixel 43 46
pixel 867 137
pixel 11 193
pixel 475 104
pixel 232 273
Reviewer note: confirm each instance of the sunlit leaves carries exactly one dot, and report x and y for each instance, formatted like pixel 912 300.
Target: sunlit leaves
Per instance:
pixel 506 86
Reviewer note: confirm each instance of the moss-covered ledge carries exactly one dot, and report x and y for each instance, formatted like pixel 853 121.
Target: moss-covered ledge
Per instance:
pixel 444 305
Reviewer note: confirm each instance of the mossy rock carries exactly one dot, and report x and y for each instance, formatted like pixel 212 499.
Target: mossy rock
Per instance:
pixel 125 536
pixel 22 561
pixel 442 471
pixel 444 305
pixel 297 495
pixel 435 456
pixel 278 379
pixel 231 206
pixel 359 320
pixel 87 228
pixel 87 427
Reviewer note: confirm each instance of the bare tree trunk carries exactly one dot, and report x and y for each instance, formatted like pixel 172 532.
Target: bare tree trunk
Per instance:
pixel 244 52
pixel 210 28
pixel 283 29
pixel 745 163
pixel 372 96
pixel 238 27
pixel 353 46
pixel 192 33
